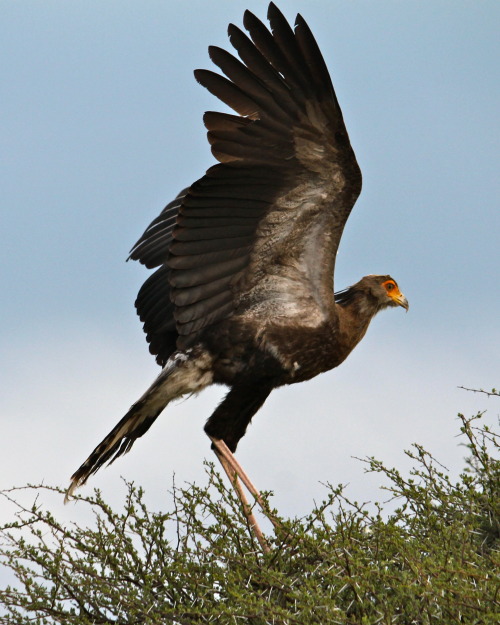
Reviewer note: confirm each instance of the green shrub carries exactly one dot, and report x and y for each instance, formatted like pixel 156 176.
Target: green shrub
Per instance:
pixel 435 559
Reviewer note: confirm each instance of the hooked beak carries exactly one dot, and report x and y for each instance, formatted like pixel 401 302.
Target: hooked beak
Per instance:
pixel 401 300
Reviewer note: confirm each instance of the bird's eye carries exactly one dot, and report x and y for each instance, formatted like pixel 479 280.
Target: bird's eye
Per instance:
pixel 389 286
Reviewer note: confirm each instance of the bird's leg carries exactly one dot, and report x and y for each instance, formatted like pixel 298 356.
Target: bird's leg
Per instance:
pixel 223 451
pixel 247 509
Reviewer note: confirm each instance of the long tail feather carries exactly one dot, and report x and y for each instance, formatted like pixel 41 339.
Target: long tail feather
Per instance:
pixel 185 372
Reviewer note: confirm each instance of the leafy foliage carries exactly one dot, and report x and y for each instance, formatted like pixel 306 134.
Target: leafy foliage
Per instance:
pixel 435 559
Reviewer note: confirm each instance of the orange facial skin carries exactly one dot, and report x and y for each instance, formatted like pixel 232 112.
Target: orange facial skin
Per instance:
pixel 395 294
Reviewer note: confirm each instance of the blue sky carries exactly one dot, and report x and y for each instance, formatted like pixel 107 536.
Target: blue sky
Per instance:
pixel 102 125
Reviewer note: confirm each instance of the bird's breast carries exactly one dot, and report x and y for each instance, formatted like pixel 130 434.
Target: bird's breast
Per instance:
pixel 304 351
pixel 287 353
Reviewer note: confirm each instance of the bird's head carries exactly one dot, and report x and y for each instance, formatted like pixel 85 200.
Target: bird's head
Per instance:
pixel 372 294
pixel 385 290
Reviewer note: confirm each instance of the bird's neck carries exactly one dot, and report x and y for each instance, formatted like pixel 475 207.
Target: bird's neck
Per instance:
pixel 354 318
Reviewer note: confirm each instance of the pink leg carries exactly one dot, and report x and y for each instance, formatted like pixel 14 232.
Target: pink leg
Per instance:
pixel 223 451
pixel 252 521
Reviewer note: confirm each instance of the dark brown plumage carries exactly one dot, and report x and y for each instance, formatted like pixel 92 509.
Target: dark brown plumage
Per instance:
pixel 243 290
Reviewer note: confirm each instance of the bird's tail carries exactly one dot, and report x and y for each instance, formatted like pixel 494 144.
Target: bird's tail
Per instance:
pixel 185 372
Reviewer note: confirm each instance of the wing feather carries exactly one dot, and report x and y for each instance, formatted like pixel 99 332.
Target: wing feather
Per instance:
pixel 264 224
pixel 196 262
pixel 284 38
pixel 226 91
pixel 152 248
pixel 261 67
pixel 212 273
pixel 198 310
pixel 277 57
pixel 156 311
pixel 240 76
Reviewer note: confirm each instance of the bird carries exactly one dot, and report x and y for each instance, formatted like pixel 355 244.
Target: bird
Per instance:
pixel 243 289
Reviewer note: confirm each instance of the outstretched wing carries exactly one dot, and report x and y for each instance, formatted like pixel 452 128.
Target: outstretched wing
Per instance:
pixel 261 229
